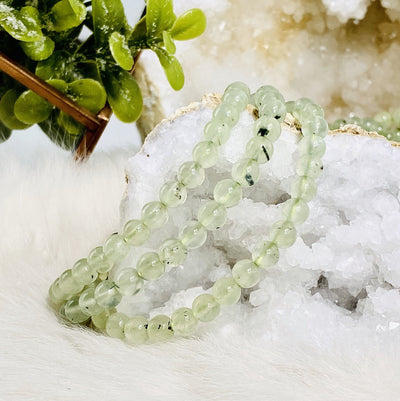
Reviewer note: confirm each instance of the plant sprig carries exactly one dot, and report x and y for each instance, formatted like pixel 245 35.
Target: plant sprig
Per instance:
pixel 44 36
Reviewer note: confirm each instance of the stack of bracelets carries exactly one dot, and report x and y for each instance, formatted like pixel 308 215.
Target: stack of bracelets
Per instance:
pixel 90 291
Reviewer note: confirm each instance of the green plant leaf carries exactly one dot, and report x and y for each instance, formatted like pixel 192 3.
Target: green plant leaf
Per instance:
pixel 138 36
pixel 67 14
pixel 172 67
pixel 69 125
pixel 30 108
pixel 123 94
pixel 159 17
pixel 60 65
pixel 189 25
pixel 108 17
pixel 22 25
pixel 39 50
pixel 88 93
pixel 169 43
pixel 59 84
pixel 120 51
pixel 7 116
pixel 5 132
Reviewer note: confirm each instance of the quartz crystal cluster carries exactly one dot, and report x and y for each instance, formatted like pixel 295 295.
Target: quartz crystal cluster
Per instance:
pixel 344 266
pixel 343 54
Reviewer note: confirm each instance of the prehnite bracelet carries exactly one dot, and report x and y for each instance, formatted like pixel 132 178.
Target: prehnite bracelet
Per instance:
pixel 88 292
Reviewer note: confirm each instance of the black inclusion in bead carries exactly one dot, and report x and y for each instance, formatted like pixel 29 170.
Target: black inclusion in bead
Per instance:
pixel 277 117
pixel 263 132
pixel 249 179
pixel 265 152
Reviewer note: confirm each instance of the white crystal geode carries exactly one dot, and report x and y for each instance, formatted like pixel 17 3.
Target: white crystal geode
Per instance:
pixel 344 268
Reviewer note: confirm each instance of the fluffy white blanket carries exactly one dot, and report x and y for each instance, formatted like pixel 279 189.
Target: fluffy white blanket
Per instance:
pixel 51 213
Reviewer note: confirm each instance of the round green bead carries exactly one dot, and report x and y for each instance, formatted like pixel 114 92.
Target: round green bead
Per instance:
pixel 205 308
pixel 68 285
pixel 315 126
pixel 290 106
pixel 312 145
pixel 100 320
pixel 228 192
pixel 193 235
pixel 56 294
pixel 83 273
pixel 173 194
pixel 309 167
pixel 246 172
pixel 183 321
pixel 154 214
pixel 212 215
pixel 205 154
pixel 172 252
pixel 295 210
pixel 226 291
pixel 384 118
pixel 396 117
pixel 238 85
pixel 73 312
pixel 246 273
pixel 107 295
pixel 310 110
pixel 267 127
pixel 135 232
pixel 135 330
pixel 265 254
pixel 259 149
pixel 237 97
pixel 303 187
pixel 115 325
pixel 150 266
pixel 227 113
pixel 284 234
pixel 265 92
pixel 159 328
pixel 217 132
pixel 272 107
pixel 115 248
pixel 98 260
pixel 128 282
pixel 191 174
pixel 88 303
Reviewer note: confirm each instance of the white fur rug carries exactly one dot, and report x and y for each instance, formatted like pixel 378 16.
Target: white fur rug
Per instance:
pixel 51 213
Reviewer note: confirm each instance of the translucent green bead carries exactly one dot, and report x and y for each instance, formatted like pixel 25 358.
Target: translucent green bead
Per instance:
pixel 205 154
pixel 98 260
pixel 212 215
pixel 159 328
pixel 303 187
pixel 290 106
pixel 73 312
pixel 128 282
pixel 259 149
pixel 265 254
pixel 135 232
pixel 191 174
pixel 205 308
pixel 115 248
pixel 172 252
pixel 246 172
pixel 284 234
pixel 226 291
pixel 274 108
pixel 268 127
pixel 312 145
pixel 396 117
pixel 246 273
pixel 296 210
pixel 173 194
pixel 135 330
pixel 384 118
pixel 369 125
pixel 107 295
pixel 100 320
pixel 154 214
pixel 238 85
pixel 56 294
pixel 88 303
pixel 68 285
pixel 228 192
pixel 236 97
pixel 227 113
pixel 299 105
pixel 267 91
pixel 315 126
pixel 150 266
pixel 217 132
pixel 83 273
pixel 193 235
pixel 309 167
pixel 115 325
pixel 183 321
pixel 337 124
